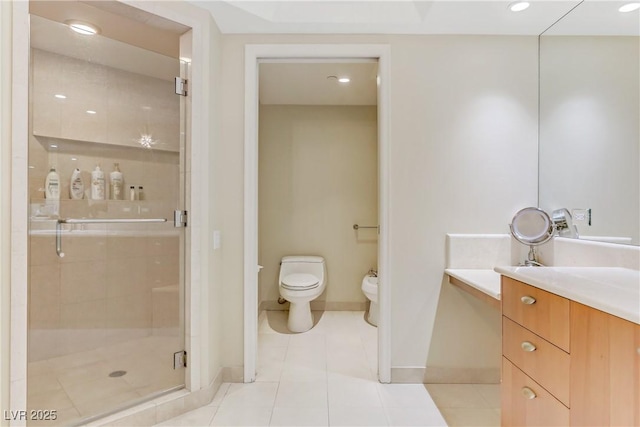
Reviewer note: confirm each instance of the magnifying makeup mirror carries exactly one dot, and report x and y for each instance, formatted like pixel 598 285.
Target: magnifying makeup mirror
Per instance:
pixel 533 227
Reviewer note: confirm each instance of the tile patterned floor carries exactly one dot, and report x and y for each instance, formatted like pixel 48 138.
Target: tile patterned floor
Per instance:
pixel 78 385
pixel 327 377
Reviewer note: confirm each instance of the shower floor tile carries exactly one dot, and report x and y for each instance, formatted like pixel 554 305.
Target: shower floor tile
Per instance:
pixel 78 385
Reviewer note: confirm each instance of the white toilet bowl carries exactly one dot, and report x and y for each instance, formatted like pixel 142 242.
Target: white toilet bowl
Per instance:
pixel 302 279
pixel 370 290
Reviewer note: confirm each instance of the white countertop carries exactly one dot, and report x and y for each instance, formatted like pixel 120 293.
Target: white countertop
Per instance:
pixel 610 289
pixel 485 280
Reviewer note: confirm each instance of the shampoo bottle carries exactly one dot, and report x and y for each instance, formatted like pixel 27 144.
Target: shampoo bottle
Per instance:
pixel 76 187
pixel 52 185
pixel 117 183
pixel 97 184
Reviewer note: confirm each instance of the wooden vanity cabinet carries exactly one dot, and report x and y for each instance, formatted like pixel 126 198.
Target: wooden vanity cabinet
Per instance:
pixel 565 363
pixel 605 369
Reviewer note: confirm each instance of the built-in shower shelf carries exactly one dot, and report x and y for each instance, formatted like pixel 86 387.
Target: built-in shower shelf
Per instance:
pixel 131 150
pixel 52 210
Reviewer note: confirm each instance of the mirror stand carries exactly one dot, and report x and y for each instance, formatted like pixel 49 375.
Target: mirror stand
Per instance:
pixel 531 260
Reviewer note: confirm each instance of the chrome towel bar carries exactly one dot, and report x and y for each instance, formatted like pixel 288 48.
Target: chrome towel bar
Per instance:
pixel 96 221
pixel 357 227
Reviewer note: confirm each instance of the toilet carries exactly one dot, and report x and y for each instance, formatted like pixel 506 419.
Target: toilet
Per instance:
pixel 302 279
pixel 370 290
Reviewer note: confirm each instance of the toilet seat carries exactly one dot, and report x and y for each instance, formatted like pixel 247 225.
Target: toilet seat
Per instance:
pixel 300 282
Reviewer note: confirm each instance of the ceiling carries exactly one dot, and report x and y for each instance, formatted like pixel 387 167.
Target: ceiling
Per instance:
pixel 598 18
pixel 384 17
pixel 127 28
pixel 307 83
pixel 55 37
pixel 117 21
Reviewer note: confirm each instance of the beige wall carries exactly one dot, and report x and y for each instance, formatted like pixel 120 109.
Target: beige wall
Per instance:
pixel 318 170
pixel 127 104
pixel 463 159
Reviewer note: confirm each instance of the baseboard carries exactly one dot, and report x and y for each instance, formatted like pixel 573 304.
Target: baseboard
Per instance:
pixel 445 375
pixel 233 374
pixel 318 306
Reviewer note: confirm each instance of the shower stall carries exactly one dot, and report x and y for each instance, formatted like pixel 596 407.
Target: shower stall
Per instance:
pixel 106 249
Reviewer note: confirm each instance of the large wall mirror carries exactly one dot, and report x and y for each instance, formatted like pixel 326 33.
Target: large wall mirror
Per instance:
pixel 590 120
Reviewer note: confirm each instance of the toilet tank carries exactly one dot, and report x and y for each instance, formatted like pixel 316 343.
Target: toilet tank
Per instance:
pixel 302 264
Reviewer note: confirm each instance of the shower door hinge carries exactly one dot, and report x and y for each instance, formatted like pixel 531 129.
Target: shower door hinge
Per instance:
pixel 181 86
pixel 179 359
pixel 179 218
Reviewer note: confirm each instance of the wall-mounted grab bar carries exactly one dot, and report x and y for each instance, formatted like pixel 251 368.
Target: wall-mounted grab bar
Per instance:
pixel 96 221
pixel 357 227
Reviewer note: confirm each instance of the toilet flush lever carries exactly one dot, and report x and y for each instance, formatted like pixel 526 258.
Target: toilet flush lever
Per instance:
pixel 260 267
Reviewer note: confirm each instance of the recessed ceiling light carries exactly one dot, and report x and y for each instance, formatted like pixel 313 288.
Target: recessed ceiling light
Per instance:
pixel 344 79
pixel 91 112
pixel 74 158
pixel 83 28
pixel 519 6
pixel 629 7
pixel 60 96
pixel 53 146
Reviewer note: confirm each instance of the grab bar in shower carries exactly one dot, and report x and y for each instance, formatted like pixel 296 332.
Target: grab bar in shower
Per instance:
pixel 96 221
pixel 357 227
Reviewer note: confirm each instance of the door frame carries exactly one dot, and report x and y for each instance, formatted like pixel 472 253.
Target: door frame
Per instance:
pixel 253 54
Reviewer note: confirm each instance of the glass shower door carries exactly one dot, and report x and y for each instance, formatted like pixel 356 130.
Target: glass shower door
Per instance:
pixel 106 294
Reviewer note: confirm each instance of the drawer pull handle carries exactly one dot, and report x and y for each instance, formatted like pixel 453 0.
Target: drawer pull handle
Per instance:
pixel 528 393
pixel 528 300
pixel 527 346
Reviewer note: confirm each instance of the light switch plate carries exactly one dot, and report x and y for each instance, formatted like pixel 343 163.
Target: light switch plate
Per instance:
pixel 217 239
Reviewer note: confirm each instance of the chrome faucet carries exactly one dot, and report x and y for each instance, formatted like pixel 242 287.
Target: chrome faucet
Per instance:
pixel 372 272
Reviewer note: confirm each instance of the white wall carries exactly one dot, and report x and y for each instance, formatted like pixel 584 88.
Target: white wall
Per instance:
pixel 213 306
pixel 589 130
pixel 5 197
pixel 318 177
pixel 463 159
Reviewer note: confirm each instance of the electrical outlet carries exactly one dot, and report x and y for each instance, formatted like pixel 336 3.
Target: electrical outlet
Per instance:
pixel 581 216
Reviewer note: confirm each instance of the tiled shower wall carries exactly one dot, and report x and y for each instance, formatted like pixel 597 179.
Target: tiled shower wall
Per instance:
pixel 116 281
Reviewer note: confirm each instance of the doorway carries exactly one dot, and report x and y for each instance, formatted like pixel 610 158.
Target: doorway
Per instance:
pixel 255 54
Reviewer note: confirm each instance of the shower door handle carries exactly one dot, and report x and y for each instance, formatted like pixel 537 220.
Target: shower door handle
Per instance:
pixel 96 221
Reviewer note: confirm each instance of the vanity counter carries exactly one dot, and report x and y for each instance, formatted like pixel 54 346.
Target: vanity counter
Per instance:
pixel 482 283
pixel 613 290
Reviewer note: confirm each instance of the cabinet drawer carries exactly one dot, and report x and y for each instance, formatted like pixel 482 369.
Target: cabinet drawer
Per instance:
pixel 543 313
pixel 525 402
pixel 542 361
